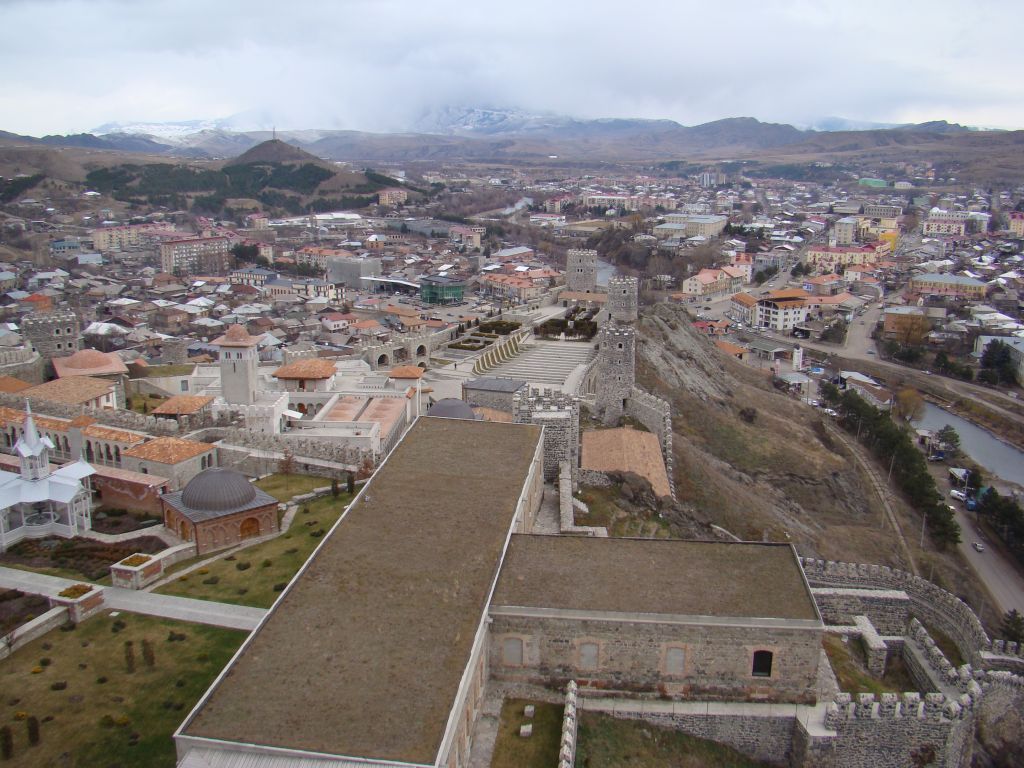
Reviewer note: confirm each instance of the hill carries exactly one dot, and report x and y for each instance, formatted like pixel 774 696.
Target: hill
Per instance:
pixel 275 151
pixel 763 465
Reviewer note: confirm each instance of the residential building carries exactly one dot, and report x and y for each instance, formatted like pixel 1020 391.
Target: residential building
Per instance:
pixel 781 310
pixel 196 256
pixel 392 196
pixel 743 307
pixel 836 258
pixel 511 287
pixel 881 211
pixel 955 286
pixel 846 230
pixel 707 282
pixel 703 225
pixel 1016 221
pixel 947 223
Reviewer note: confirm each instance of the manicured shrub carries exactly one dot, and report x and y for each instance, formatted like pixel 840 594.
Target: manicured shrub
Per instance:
pixel 60 685
pixel 129 656
pixel 148 656
pixel 280 587
pixel 33 731
pixel 245 565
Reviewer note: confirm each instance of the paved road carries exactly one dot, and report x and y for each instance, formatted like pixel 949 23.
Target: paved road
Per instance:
pixel 166 606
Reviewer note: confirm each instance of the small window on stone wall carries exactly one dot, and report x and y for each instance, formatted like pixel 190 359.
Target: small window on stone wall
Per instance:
pixel 762 664
pixel 675 661
pixel 512 652
pixel 588 656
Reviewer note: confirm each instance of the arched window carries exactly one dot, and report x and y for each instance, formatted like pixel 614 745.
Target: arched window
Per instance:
pixel 588 656
pixel 117 454
pixel 675 662
pixel 512 652
pixel 762 666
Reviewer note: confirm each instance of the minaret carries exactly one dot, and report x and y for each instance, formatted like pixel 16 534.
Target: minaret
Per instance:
pixel 33 450
pixel 238 365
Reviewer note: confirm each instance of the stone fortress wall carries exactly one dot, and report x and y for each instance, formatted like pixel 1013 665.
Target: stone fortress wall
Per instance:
pixel 867 731
pixel 559 414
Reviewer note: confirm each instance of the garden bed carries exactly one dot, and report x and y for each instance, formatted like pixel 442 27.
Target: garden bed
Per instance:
pixel 16 608
pixel 116 521
pixel 85 557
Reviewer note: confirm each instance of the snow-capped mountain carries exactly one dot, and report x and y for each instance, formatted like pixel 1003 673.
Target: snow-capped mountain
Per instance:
pixel 179 131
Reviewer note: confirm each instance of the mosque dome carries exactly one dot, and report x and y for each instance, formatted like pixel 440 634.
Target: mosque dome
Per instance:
pixel 452 408
pixel 218 489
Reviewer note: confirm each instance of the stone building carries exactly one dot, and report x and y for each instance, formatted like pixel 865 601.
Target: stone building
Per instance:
pixel 171 457
pixel 53 334
pixel 623 299
pixel 616 370
pixel 581 270
pixel 559 414
pixel 492 392
pixel 219 508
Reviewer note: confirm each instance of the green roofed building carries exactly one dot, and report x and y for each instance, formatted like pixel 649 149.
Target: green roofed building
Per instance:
pixel 873 182
pixel 441 289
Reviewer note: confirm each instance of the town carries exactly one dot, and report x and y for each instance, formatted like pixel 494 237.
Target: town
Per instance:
pixel 492 437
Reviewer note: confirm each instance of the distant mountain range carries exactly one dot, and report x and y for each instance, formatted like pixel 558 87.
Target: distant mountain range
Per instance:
pixel 485 134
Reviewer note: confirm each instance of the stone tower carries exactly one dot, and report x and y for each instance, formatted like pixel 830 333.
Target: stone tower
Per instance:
pixel 559 414
pixel 623 295
pixel 616 370
pixel 238 365
pixel 581 270
pixel 53 334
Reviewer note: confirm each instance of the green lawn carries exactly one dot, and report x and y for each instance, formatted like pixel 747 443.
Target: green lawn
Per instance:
pixel 605 742
pixel 540 749
pixel 144 403
pixel 270 564
pixel 850 666
pixel 283 487
pixel 128 719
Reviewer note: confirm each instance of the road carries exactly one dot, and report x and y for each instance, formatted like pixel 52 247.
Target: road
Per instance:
pixel 1003 581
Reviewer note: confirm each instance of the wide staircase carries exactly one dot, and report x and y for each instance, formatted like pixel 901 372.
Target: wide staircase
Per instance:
pixel 545 362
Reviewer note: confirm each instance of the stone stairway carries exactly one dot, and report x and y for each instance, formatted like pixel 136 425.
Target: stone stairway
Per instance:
pixel 547 363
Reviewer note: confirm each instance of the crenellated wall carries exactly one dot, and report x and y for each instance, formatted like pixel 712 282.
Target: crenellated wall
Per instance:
pixel 930 603
pixel 656 415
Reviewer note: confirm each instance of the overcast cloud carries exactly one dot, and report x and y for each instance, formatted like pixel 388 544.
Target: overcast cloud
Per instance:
pixel 71 65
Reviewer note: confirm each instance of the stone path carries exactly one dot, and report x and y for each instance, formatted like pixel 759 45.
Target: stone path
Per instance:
pixel 548 516
pixel 547 363
pixel 117 538
pixel 165 606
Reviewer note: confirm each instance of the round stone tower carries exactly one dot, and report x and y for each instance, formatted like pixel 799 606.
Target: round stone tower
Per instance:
pixel 623 293
pixel 616 370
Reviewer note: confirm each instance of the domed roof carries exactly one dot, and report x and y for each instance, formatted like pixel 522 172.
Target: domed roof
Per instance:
pixel 87 358
pixel 452 408
pixel 217 489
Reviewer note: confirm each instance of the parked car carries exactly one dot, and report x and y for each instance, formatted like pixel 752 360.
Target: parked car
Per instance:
pixel 958 495
pixel 937 456
pixel 971 504
pixel 978 546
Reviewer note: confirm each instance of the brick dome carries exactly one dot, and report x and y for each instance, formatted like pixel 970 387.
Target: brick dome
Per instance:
pixel 87 358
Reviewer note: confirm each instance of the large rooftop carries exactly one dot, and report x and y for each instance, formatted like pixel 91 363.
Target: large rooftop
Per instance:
pixel 363 654
pixel 659 576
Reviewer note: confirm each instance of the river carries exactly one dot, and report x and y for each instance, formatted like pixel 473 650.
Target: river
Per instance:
pixel 990 453
pixel 604 271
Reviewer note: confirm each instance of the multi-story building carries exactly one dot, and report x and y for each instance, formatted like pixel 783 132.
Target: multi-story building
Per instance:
pixel 707 282
pixel 512 287
pixel 846 230
pixel 198 255
pixel 120 238
pixel 781 310
pixel 834 258
pixel 254 276
pixel 1016 222
pixel 955 286
pixel 879 211
pixel 441 289
pixel 392 196
pixel 705 225
pixel 941 222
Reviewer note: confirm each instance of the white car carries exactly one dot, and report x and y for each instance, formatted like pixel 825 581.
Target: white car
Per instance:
pixel 958 495
pixel 978 546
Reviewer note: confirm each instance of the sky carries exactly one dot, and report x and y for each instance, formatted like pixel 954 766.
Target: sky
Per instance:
pixel 380 65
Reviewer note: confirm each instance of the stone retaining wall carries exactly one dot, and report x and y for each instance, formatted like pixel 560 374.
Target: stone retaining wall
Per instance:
pixel 656 415
pixel 31 630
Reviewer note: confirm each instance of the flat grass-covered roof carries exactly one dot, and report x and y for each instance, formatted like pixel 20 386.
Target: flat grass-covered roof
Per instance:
pixel 364 653
pixel 657 576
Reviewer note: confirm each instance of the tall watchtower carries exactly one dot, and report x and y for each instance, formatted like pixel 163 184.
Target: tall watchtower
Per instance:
pixel 53 334
pixel 581 270
pixel 238 365
pixel 616 370
pixel 623 296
